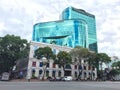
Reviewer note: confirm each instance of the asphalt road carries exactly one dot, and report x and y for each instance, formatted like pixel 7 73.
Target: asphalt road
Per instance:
pixel 60 85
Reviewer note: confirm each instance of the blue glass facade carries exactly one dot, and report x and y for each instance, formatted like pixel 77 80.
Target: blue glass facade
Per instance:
pixel 76 29
pixel 73 13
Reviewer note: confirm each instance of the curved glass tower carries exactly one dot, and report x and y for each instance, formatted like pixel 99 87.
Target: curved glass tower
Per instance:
pixel 69 33
pixel 76 29
pixel 73 13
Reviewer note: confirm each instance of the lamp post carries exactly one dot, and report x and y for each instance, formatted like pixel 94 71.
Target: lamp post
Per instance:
pixel 44 60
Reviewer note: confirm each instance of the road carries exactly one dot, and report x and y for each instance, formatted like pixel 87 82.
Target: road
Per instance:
pixel 60 85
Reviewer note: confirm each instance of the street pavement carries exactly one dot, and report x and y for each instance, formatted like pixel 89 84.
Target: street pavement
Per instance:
pixel 46 85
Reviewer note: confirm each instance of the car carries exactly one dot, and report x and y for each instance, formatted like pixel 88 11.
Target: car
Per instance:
pixel 55 79
pixel 67 78
pixel 5 76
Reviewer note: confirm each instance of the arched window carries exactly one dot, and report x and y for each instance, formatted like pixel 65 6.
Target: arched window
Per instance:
pixel 75 74
pixel 33 73
pixel 59 73
pixel 53 65
pixel 89 73
pixel 75 66
pixel 84 67
pixel 53 73
pixel 93 74
pixel 85 75
pixel 93 68
pixel 47 65
pixel 47 73
pixel 40 72
pixel 89 67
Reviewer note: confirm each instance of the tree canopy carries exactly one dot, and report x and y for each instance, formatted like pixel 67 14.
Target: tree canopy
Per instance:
pixel 116 64
pixel 44 52
pixel 63 59
pixel 79 53
pixel 12 48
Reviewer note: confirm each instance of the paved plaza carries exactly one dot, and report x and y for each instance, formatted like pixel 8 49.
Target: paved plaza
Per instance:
pixel 60 85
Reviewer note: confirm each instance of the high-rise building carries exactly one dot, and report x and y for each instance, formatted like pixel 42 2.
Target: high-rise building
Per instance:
pixel 89 22
pixel 77 28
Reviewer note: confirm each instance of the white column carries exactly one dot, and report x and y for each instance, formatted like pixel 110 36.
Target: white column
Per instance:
pixel 72 71
pixel 57 70
pixel 29 70
pixel 62 72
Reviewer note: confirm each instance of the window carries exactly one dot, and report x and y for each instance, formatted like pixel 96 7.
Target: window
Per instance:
pixel 41 64
pixel 48 65
pixel 80 67
pixel 34 64
pixel 59 73
pixel 53 65
pixel 59 66
pixel 75 67
pixel 93 68
pixel 47 73
pixel 53 73
pixel 75 74
pixel 33 73
pixel 89 67
pixel 84 67
pixel 85 75
pixel 40 72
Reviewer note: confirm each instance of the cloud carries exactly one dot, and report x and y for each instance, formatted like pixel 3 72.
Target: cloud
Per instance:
pixel 18 17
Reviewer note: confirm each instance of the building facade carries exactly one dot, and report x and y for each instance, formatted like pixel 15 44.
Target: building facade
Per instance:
pixel 77 28
pixel 36 67
pixel 89 20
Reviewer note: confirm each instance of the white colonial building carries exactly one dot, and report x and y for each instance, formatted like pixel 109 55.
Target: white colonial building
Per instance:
pixel 36 67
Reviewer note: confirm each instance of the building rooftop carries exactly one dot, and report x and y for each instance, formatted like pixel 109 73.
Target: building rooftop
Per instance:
pixel 83 12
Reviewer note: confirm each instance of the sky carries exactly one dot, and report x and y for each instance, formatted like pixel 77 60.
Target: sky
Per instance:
pixel 18 17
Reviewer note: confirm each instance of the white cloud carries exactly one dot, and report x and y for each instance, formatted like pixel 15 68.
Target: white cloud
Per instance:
pixel 2 26
pixel 19 16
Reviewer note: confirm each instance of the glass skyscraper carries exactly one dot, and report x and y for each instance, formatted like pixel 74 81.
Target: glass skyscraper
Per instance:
pixel 77 28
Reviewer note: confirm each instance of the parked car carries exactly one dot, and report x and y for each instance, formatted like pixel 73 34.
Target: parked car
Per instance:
pixel 5 76
pixel 67 78
pixel 52 79
pixel 55 79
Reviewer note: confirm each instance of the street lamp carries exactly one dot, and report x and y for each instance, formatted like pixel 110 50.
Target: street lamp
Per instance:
pixel 117 67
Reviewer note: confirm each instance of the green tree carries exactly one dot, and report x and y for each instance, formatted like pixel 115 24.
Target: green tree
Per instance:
pixel 103 58
pixel 93 60
pixel 78 54
pixel 114 72
pixel 116 64
pixel 116 69
pixel 44 52
pixel 63 59
pixel 12 48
